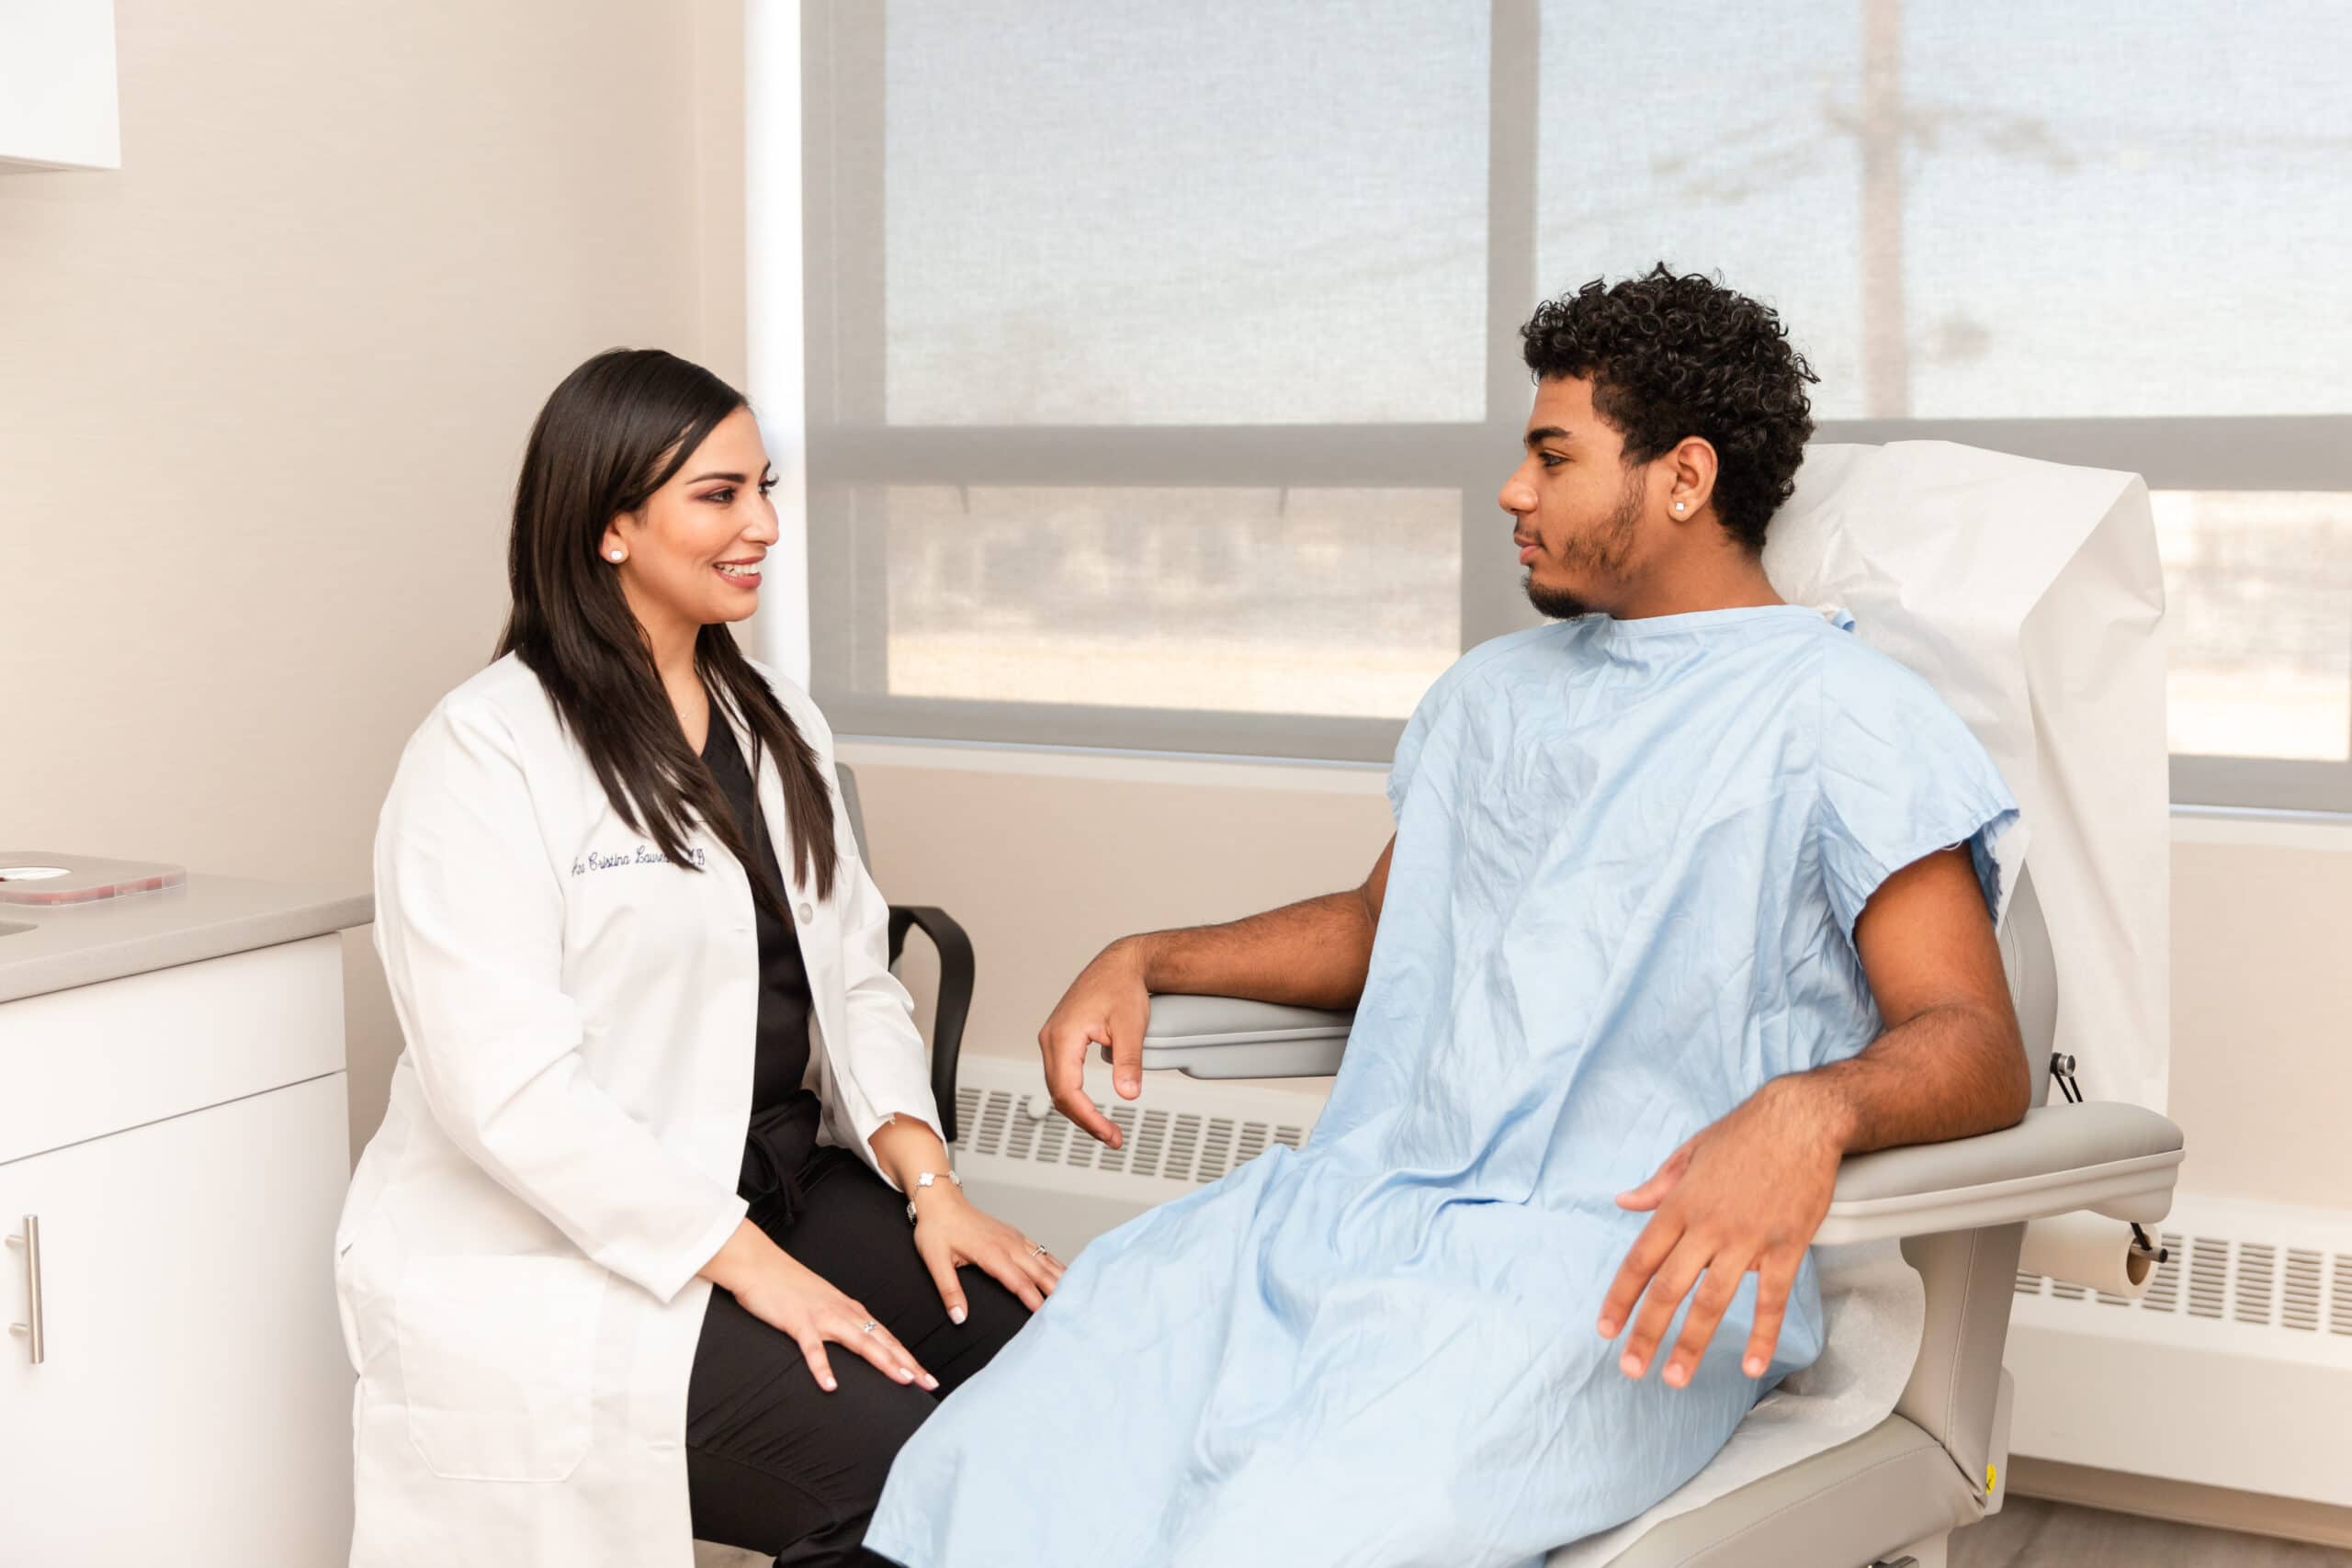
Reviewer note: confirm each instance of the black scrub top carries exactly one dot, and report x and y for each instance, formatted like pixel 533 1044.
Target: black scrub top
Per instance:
pixel 783 1133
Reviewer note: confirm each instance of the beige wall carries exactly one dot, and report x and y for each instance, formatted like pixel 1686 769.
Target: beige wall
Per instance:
pixel 264 391
pixel 2262 1011
pixel 1046 864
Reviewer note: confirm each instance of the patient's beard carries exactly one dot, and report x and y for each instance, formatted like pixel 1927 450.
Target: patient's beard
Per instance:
pixel 1602 553
pixel 1554 603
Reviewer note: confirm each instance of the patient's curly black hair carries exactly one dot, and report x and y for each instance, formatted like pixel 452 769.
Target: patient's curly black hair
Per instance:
pixel 1673 356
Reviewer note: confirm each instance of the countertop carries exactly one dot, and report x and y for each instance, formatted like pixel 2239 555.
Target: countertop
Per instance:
pixel 56 949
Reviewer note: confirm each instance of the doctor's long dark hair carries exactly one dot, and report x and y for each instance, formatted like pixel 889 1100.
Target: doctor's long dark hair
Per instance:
pixel 615 431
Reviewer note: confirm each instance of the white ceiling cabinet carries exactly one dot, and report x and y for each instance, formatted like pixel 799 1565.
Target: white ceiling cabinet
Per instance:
pixel 57 85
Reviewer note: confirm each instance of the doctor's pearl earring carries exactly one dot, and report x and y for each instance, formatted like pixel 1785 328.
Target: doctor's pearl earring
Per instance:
pixel 619 555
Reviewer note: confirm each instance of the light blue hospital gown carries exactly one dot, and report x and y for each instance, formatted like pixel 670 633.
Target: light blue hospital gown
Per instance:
pixel 1629 859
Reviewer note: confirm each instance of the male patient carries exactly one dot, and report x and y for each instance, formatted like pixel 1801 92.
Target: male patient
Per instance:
pixel 1689 898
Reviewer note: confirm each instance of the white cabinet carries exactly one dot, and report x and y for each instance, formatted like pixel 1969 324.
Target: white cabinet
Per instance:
pixel 57 84
pixel 193 1405
pixel 193 1370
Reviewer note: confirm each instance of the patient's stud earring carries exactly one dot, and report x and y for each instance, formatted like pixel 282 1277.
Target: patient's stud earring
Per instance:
pixel 1677 506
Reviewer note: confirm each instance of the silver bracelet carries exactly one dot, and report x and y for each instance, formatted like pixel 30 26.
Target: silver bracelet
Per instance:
pixel 926 1178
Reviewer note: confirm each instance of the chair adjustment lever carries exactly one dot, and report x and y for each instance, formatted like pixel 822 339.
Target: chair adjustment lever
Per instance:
pixel 2061 1067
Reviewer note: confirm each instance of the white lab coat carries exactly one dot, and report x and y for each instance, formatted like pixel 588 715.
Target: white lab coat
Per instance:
pixel 516 1259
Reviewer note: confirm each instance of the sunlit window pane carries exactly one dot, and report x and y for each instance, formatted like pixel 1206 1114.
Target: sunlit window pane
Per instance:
pixel 1331 602
pixel 2259 588
pixel 1968 209
pixel 1223 212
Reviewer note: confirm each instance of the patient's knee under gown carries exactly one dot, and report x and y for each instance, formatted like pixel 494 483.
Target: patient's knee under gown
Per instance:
pixel 1629 859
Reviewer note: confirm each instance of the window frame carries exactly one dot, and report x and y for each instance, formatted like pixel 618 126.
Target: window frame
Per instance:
pixel 848 444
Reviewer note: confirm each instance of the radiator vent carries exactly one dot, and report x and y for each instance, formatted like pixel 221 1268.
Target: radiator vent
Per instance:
pixel 2163 1290
pixel 2247 1330
pixel 2258 1282
pixel 2256 1297
pixel 1182 1146
pixel 2208 1271
pixel 2299 1301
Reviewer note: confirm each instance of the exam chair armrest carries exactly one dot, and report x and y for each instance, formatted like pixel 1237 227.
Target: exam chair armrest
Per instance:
pixel 1232 1037
pixel 2115 1159
pixel 957 973
pixel 2118 1160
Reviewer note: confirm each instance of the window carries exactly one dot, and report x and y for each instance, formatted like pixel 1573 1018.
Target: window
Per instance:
pixel 1031 594
pixel 2259 584
pixel 1162 360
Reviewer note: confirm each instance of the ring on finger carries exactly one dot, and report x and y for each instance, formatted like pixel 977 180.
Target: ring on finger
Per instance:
pixel 869 1327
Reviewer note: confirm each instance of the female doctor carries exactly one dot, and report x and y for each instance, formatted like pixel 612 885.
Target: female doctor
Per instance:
pixel 649 1146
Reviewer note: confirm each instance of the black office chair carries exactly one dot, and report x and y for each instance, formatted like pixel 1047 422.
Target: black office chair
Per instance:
pixel 955 967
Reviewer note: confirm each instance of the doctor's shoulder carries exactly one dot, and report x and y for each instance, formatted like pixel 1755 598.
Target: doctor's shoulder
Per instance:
pixel 497 727
pixel 501 704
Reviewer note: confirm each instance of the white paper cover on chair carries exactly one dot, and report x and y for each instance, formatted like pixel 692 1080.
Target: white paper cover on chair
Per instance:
pixel 2030 596
pixel 1872 1306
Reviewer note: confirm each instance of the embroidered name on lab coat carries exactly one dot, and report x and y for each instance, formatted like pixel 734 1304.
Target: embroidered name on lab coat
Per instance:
pixel 644 854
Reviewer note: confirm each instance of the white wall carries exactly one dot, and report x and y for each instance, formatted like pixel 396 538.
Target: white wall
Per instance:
pixel 263 393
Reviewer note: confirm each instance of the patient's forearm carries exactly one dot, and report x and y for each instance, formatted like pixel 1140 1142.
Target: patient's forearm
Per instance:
pixel 1311 954
pixel 1948 1072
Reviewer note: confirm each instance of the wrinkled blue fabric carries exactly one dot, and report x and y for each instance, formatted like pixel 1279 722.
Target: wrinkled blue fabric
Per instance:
pixel 1629 859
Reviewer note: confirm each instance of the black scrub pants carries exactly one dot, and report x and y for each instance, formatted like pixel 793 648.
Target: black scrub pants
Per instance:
pixel 774 1463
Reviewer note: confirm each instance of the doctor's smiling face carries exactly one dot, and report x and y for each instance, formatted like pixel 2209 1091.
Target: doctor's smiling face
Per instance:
pixel 641 524
pixel 691 555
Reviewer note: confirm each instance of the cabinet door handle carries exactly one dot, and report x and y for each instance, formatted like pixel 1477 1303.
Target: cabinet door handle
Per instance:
pixel 30 1331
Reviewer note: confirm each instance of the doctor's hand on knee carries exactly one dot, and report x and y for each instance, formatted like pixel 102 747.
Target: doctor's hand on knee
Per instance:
pixel 789 1296
pixel 1108 1004
pixel 1747 1195
pixel 951 1232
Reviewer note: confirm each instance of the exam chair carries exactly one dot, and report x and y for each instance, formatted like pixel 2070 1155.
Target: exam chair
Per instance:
pixel 1894 1494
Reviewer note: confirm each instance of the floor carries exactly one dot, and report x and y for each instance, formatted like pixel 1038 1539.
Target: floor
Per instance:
pixel 2029 1533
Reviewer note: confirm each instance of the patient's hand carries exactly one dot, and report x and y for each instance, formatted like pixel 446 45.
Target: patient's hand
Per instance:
pixel 1748 1194
pixel 1108 1004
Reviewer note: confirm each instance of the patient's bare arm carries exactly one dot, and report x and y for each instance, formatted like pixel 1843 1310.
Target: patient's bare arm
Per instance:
pixel 1311 954
pixel 1748 1193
